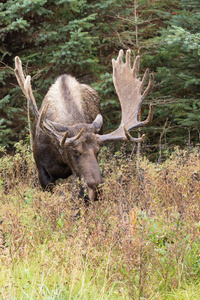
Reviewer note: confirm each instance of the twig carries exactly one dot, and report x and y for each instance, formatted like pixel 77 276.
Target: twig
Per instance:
pixel 29 125
pixel 160 140
pixel 5 66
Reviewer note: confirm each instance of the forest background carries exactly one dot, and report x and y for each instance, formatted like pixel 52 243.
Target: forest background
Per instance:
pixel 141 240
pixel 81 38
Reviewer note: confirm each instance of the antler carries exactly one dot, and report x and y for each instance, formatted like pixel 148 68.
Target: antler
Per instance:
pixel 25 85
pixel 129 89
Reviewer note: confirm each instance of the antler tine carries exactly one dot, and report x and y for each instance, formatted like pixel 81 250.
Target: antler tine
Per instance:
pixel 25 85
pixel 136 65
pixel 148 119
pixel 128 58
pixel 42 115
pixel 149 87
pixel 67 141
pixel 19 73
pixel 30 97
pixel 120 56
pixel 62 143
pixel 130 138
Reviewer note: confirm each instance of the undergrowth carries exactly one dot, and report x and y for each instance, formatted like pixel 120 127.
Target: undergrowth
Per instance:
pixel 139 241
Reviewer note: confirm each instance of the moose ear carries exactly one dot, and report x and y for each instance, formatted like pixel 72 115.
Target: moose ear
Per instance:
pixel 97 123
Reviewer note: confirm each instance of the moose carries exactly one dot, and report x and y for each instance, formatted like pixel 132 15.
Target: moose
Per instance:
pixel 67 129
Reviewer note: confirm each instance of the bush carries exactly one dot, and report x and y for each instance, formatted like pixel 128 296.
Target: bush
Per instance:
pixel 140 240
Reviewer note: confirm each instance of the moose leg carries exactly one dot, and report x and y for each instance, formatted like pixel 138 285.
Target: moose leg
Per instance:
pixel 46 180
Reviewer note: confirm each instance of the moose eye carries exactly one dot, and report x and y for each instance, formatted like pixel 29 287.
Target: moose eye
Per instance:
pixel 76 152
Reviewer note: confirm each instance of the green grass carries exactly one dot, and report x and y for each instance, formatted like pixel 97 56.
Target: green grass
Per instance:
pixel 188 292
pixel 42 277
pixel 141 240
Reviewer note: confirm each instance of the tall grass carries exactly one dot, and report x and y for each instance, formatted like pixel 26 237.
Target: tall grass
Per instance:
pixel 139 241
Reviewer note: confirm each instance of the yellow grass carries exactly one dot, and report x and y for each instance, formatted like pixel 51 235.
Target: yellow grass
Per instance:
pixel 139 241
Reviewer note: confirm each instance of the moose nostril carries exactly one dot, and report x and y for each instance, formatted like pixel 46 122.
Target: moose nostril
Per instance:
pixel 94 184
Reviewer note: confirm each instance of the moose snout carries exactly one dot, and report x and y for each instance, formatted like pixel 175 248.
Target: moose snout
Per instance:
pixel 93 183
pixel 93 187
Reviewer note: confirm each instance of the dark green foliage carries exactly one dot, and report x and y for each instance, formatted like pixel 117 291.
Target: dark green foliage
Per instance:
pixel 179 48
pixel 81 38
pixel 53 37
pixel 168 40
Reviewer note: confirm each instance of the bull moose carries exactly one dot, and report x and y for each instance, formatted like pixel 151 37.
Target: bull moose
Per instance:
pixel 66 133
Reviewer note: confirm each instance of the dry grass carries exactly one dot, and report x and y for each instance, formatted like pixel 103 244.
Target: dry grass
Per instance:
pixel 139 241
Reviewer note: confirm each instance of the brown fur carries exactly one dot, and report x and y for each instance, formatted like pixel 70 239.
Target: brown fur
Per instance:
pixel 72 106
pixel 66 140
